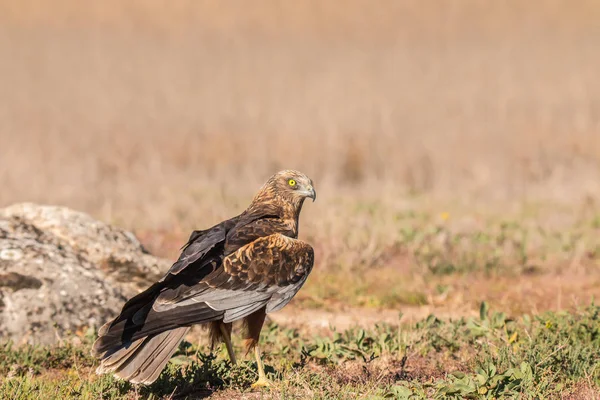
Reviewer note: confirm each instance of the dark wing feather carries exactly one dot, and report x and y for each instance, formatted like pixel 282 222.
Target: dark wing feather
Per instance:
pixel 266 272
pixel 235 232
pixel 253 226
pixel 195 235
pixel 199 244
pixel 248 228
pixel 285 294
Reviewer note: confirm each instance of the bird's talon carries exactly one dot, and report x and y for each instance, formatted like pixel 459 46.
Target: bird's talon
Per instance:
pixel 261 383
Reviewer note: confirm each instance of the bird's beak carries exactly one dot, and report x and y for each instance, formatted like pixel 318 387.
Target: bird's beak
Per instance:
pixel 311 193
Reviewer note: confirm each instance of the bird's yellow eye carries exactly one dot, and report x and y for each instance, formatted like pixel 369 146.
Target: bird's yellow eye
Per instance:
pixel 292 182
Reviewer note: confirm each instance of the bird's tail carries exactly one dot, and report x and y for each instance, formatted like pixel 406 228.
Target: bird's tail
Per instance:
pixel 142 360
pixel 137 345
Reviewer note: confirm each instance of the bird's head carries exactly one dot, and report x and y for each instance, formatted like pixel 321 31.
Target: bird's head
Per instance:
pixel 289 185
pixel 283 195
pixel 293 185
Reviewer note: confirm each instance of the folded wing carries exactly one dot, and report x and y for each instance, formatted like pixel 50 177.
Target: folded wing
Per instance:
pixel 266 272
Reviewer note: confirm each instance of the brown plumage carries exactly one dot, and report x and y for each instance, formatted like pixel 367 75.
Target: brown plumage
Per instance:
pixel 240 269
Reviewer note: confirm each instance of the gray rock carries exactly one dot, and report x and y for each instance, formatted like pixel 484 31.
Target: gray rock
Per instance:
pixel 62 271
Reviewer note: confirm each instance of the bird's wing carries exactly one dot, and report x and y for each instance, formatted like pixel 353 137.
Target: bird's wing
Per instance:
pixel 200 244
pixel 236 232
pixel 199 257
pixel 227 271
pixel 268 271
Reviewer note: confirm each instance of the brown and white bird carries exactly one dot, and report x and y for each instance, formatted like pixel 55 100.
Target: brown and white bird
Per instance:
pixel 240 269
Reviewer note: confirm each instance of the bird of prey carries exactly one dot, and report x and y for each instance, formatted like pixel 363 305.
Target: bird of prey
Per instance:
pixel 240 269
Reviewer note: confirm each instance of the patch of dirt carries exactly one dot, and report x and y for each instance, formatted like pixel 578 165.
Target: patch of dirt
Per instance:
pixel 320 321
pixel 435 365
pixel 583 391
pixel 378 372
pixel 230 394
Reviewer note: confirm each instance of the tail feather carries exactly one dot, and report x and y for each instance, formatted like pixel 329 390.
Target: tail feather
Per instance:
pixel 121 331
pixel 137 344
pixel 118 356
pixel 143 360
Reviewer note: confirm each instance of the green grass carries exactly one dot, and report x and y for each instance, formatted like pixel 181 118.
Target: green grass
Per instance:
pixel 492 356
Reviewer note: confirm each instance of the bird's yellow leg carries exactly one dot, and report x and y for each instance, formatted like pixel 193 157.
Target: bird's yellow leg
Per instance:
pixel 227 338
pixel 262 377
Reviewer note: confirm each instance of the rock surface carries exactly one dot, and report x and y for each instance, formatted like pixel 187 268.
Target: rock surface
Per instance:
pixel 62 271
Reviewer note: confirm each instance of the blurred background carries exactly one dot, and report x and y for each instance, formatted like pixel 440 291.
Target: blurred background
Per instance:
pixel 164 117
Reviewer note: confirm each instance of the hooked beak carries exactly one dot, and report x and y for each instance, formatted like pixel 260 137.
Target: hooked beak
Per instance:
pixel 311 193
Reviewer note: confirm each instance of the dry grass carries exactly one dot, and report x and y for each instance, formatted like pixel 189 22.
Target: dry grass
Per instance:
pixel 164 117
